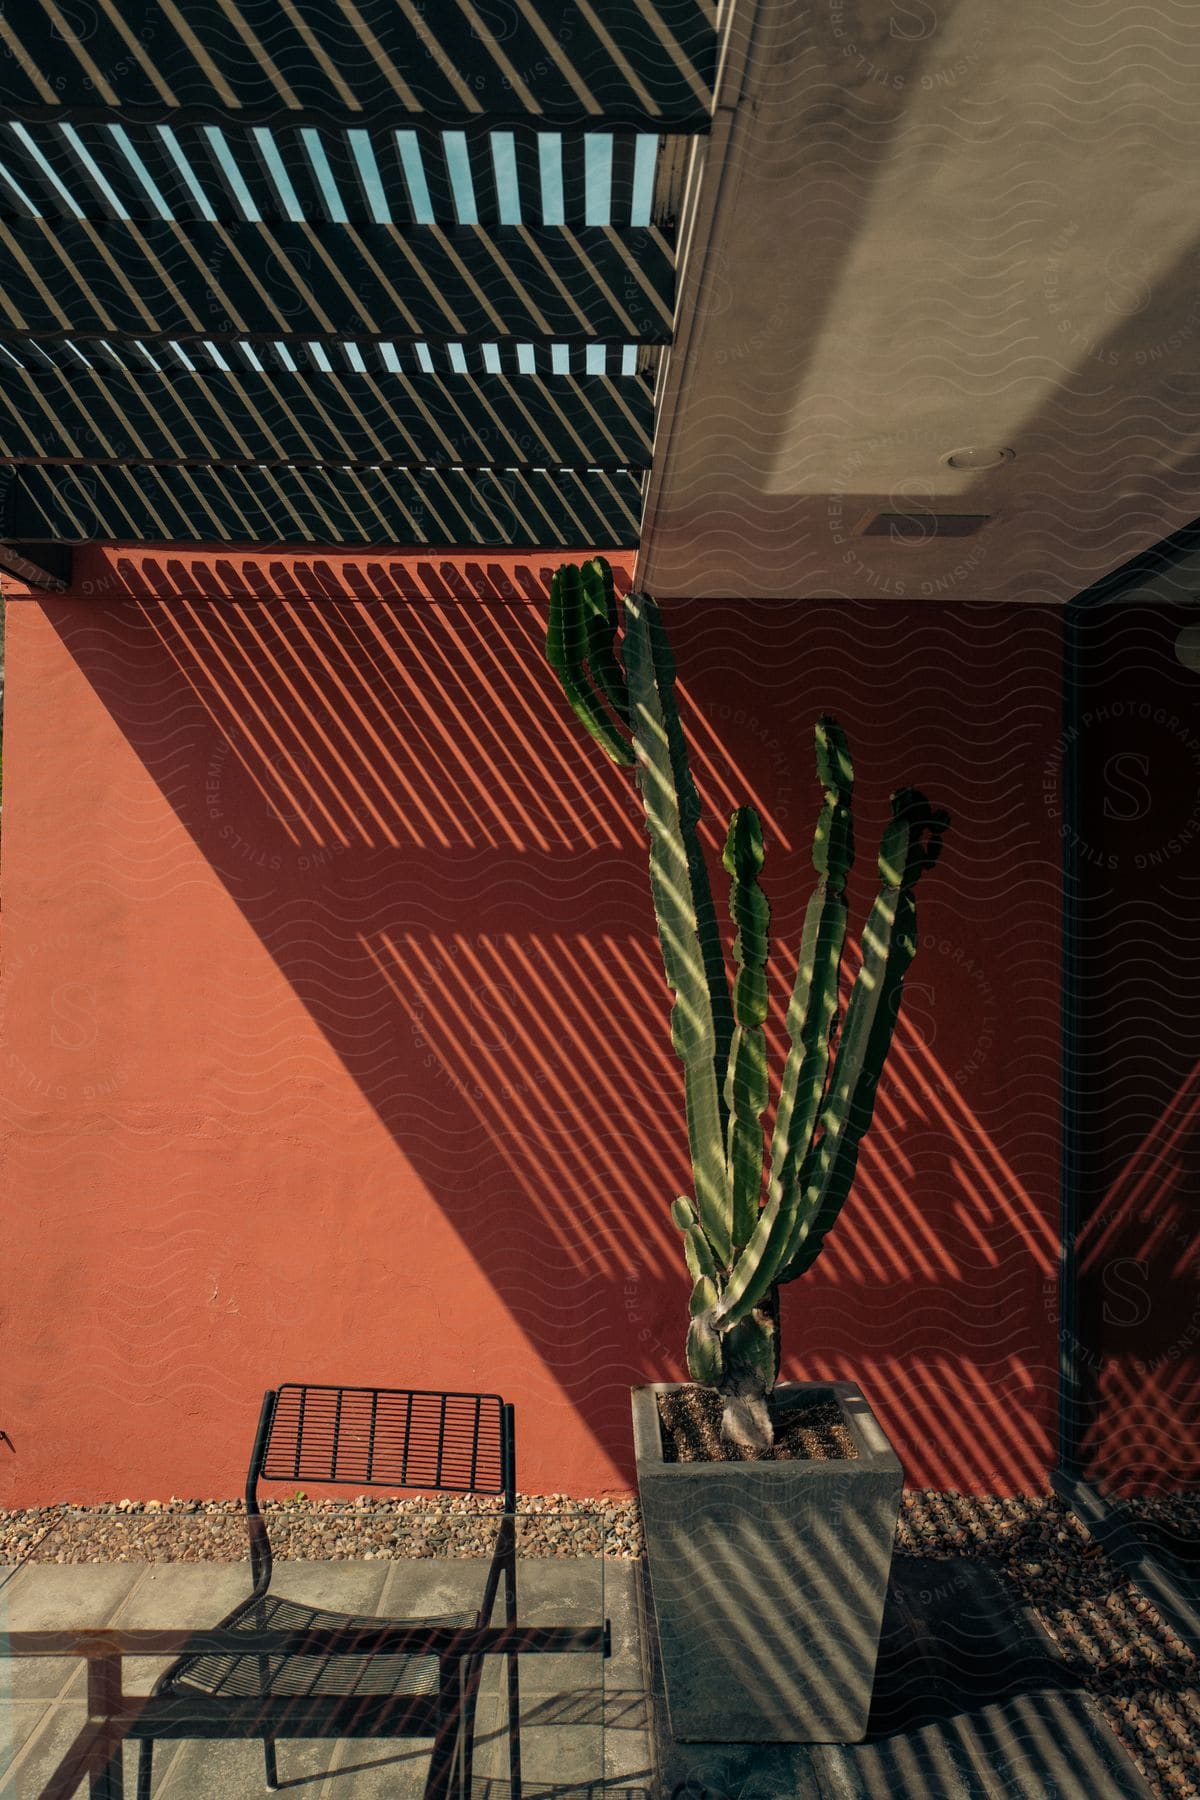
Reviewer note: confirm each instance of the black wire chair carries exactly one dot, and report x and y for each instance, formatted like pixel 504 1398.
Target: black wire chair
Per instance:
pixel 360 1437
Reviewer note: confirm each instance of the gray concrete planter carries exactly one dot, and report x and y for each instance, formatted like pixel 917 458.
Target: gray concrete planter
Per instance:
pixel 769 1580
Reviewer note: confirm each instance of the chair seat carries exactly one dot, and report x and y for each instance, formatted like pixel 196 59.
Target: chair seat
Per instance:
pixel 249 1675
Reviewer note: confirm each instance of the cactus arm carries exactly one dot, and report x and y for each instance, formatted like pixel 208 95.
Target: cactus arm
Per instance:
pixel 769 1245
pixel 746 1080
pixel 826 1182
pixel 911 844
pixel 704 1296
pixel 567 645
pixel 696 1248
pixel 601 625
pixel 705 1358
pixel 814 1198
pixel 666 795
pixel 689 818
pixel 811 1014
pixel 812 1010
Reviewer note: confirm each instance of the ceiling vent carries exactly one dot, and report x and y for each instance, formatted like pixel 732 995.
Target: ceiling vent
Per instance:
pixel 921 527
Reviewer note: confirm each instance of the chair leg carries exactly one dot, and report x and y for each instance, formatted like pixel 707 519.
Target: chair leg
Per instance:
pixel 473 1672
pixel 145 1768
pixel 108 1783
pixel 514 1727
pixel 270 1764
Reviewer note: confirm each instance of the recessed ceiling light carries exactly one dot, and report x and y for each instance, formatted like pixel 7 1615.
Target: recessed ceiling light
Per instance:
pixel 978 456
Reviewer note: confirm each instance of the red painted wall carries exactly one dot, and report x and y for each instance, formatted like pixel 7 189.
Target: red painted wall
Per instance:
pixel 333 1029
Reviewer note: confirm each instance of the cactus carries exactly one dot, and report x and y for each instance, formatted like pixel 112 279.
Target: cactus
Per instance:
pixel 741 1244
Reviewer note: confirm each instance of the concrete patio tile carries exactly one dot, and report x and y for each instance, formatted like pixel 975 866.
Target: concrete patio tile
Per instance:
pixel 58 1597
pixel 574 1592
pixel 173 1596
pixel 233 1770
pixel 621 1603
pixel 423 1589
pixel 378 1769
pixel 19 1719
pixel 627 1723
pixel 43 1749
pixel 352 1587
pixel 562 1741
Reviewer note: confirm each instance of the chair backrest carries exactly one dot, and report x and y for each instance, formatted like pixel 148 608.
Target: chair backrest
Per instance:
pixel 386 1437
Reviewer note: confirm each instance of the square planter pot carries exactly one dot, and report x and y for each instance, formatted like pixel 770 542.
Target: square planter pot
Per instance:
pixel 769 1579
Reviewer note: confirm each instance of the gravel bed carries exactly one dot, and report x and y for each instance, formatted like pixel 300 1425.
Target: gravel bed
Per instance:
pixel 1143 1678
pixel 322 1530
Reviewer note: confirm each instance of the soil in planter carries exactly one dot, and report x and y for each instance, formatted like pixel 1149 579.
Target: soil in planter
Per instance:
pixel 805 1430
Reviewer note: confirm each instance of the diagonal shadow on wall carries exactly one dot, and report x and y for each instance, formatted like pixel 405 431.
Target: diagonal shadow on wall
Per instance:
pixel 373 760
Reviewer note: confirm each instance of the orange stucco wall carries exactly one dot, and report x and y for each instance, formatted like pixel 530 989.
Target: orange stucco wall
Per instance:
pixel 333 1033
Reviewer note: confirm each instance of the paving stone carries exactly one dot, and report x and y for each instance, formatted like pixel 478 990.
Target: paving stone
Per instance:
pixel 205 1769
pixel 379 1769
pixel 173 1596
pixel 19 1719
pixel 351 1587
pixel 420 1590
pixel 58 1597
pixel 562 1741
pixel 627 1725
pixel 43 1749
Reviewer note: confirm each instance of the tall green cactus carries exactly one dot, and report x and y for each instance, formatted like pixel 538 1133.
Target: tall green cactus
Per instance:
pixel 740 1243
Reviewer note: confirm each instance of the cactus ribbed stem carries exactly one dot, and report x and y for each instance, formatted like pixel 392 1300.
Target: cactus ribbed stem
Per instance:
pixel 738 1250
pixel 667 802
pixel 746 1082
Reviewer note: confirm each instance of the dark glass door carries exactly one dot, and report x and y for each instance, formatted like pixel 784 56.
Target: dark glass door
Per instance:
pixel 1134 925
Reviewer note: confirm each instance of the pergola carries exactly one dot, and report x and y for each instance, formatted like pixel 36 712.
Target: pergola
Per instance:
pixel 337 273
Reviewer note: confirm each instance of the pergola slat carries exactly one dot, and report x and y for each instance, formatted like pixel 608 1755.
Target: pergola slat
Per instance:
pixel 320 357
pixel 639 62
pixel 574 179
pixel 624 157
pixel 167 183
pixel 485 199
pixel 276 177
pixel 431 161
pixel 529 179
pixel 322 506
pixel 151 279
pixel 83 415
pixel 113 190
